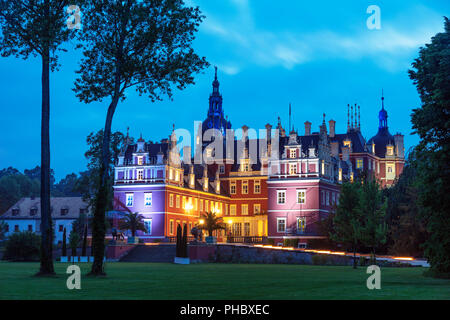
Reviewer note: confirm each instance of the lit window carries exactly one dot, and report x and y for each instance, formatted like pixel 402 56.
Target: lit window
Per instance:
pixel 390 150
pixel 293 168
pixel 301 196
pixel 148 226
pixel 129 197
pixel 281 224
pixel 170 174
pixel 359 163
pixel 301 224
pixel 148 199
pixel 206 205
pixel 293 153
pixel 245 187
pixel 246 229
pixel 233 187
pixel 178 201
pixel 171 200
pixel 232 209
pixel 140 160
pixel 256 208
pixel 140 174
pixel 257 186
pixel 171 224
pixel 281 196
pixel 244 209
pixel 347 143
pixel 201 205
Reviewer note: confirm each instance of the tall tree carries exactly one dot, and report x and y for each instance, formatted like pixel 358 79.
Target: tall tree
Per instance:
pixel 38 28
pixel 143 44
pixel 347 221
pixel 372 210
pixel 15 186
pixel 407 232
pixel 430 74
pixel 87 184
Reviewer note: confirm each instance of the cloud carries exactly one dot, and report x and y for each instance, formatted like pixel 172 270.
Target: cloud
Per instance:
pixel 248 44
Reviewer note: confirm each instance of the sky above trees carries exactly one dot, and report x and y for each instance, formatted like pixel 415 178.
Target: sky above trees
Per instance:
pixel 318 56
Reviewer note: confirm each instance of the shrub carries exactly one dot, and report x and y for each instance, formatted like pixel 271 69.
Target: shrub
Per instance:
pixel 320 259
pixel 271 241
pixel 362 261
pixel 23 246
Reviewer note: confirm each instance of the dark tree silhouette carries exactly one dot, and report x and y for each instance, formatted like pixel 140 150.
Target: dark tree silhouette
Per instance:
pixel 38 28
pixel 142 44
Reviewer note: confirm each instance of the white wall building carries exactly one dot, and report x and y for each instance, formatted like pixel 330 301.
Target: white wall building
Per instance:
pixel 25 215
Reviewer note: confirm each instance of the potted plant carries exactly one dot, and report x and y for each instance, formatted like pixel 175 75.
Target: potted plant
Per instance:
pixel 182 256
pixel 133 221
pixel 211 223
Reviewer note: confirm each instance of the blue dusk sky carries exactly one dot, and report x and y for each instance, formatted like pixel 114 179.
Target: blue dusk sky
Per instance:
pixel 317 55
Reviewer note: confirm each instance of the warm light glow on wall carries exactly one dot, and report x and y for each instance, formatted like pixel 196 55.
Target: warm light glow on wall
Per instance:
pixel 202 221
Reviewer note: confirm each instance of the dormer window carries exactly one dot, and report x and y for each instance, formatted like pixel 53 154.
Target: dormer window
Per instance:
pixel 347 143
pixel 293 153
pixel 373 148
pixel 390 150
pixel 140 160
pixel 33 211
pixel 64 211
pixel 15 211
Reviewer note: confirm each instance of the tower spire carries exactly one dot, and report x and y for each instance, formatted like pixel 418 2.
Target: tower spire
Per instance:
pixel 359 118
pixel 348 117
pixel 351 114
pixel 290 112
pixel 382 99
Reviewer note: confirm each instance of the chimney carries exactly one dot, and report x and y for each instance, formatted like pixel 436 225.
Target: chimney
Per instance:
pixel 187 154
pixel 244 133
pixel 160 157
pixel 332 125
pixel 307 128
pixel 140 144
pixel 345 153
pixel 205 178
pixel 335 149
pixel 399 145
pixel 191 177
pixel 217 182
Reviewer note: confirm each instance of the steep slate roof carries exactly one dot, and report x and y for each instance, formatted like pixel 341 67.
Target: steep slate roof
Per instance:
pixel 381 140
pixel 152 148
pixel 198 173
pixel 73 204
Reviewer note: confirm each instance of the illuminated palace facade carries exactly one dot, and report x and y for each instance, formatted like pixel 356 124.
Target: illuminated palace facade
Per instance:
pixel 278 186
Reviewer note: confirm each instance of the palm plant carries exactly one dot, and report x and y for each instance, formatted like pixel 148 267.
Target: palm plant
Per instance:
pixel 133 221
pixel 212 222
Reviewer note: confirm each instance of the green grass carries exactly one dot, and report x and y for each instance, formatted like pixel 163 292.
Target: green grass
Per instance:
pixel 219 281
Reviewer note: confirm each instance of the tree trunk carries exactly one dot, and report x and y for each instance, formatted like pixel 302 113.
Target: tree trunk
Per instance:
pixel 46 267
pixel 101 200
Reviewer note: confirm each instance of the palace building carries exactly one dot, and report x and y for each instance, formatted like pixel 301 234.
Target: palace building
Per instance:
pixel 277 187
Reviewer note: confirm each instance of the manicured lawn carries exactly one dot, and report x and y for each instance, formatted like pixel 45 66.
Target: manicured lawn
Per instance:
pixel 220 281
